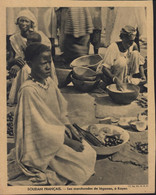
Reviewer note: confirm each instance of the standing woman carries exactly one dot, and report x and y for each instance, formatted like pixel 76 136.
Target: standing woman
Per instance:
pixel 47 150
pixel 19 70
pixel 61 13
pixel 78 27
pixel 95 37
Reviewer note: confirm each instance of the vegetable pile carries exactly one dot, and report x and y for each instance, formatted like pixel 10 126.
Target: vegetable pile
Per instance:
pixel 142 148
pixel 112 140
pixel 142 101
pixel 10 117
pixel 106 136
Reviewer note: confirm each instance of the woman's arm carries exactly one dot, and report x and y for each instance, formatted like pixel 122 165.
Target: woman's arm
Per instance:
pixel 75 145
pixel 17 64
pixel 114 79
pixel 107 72
pixel 14 64
pixel 108 62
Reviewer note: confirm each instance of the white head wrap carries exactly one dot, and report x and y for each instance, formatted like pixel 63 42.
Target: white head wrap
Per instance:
pixel 28 14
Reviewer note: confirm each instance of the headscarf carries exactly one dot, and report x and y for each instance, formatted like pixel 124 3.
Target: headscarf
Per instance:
pixel 28 14
pixel 35 49
pixel 129 32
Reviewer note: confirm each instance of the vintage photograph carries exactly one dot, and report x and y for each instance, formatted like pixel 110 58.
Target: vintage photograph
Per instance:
pixel 77 83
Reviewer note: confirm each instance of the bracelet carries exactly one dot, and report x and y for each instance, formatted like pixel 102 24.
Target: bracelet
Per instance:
pixel 20 62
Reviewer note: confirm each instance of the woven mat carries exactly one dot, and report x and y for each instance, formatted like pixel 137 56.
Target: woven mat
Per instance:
pixel 105 107
pixel 80 108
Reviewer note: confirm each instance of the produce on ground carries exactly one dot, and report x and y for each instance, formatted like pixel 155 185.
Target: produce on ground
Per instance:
pixel 106 136
pixel 10 117
pixel 139 125
pixel 141 147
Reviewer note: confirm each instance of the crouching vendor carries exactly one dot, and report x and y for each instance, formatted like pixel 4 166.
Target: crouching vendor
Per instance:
pixel 48 150
pixel 122 60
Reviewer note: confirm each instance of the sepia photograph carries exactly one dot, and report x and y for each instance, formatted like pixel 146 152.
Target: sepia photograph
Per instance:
pixel 78 97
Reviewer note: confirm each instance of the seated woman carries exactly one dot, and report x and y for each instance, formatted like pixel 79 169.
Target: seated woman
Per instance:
pixel 48 150
pixel 17 66
pixel 122 60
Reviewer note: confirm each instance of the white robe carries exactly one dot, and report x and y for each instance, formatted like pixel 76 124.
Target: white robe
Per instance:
pixel 40 156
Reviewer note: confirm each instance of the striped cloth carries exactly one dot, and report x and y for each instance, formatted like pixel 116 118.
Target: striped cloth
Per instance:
pixel 79 22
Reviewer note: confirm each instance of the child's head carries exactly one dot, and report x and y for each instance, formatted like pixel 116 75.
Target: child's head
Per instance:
pixel 33 37
pixel 38 57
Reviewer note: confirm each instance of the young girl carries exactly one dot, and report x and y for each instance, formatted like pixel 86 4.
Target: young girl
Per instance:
pixel 48 148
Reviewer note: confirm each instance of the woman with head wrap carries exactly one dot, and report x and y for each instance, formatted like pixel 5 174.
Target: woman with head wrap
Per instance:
pixel 19 70
pixel 122 60
pixel 133 16
pixel 48 149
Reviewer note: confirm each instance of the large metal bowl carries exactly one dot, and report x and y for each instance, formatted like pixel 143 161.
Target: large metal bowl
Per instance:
pixel 103 150
pixel 84 74
pixel 84 86
pixel 126 96
pixel 90 61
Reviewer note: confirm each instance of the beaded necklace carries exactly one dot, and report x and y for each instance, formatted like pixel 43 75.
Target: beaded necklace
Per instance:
pixel 46 86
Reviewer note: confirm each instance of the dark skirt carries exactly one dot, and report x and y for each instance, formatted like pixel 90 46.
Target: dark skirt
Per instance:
pixel 75 47
pixel 95 38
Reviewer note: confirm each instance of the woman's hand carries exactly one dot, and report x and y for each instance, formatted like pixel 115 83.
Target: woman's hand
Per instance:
pixel 119 84
pixel 19 63
pixel 74 144
pixel 13 71
pixel 75 134
pixel 77 146
pixel 68 133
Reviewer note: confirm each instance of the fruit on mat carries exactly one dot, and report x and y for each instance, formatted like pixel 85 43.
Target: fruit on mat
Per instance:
pixel 139 125
pixel 93 129
pixel 10 117
pixel 124 121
